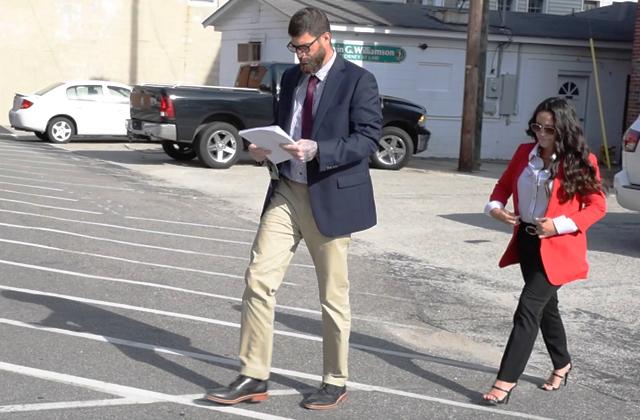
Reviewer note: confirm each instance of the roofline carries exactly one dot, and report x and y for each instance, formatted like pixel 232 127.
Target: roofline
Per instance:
pixel 462 35
pixel 441 34
pixel 214 15
pixel 221 11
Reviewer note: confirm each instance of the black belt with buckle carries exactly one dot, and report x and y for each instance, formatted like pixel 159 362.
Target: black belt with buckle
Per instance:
pixel 530 228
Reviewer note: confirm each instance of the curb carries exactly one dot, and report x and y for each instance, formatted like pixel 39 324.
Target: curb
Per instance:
pixel 7 133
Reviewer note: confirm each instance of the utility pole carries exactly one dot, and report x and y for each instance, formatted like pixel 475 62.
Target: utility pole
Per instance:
pixel 472 108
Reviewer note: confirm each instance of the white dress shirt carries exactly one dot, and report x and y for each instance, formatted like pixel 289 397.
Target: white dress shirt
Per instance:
pixel 533 199
pixel 294 169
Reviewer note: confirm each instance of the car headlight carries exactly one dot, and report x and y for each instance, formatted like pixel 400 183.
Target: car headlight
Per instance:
pixel 422 119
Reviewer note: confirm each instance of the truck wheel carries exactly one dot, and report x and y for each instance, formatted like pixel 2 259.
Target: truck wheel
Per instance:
pixel 218 145
pixel 60 130
pixel 395 148
pixel 178 151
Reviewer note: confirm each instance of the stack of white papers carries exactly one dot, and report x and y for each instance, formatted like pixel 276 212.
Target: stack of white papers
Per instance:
pixel 270 138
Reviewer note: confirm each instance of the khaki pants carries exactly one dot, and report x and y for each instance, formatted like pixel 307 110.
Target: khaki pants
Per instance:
pixel 287 220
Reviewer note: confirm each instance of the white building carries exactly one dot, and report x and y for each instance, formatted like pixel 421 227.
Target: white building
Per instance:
pixel 530 57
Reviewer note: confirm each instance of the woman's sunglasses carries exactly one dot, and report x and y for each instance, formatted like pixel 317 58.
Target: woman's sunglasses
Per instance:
pixel 536 128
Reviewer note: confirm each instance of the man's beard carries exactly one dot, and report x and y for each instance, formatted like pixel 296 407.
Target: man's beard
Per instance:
pixel 314 62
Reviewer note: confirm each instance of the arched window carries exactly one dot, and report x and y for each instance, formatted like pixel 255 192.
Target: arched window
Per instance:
pixel 569 90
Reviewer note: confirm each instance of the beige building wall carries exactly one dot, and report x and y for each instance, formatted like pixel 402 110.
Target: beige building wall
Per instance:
pixel 130 41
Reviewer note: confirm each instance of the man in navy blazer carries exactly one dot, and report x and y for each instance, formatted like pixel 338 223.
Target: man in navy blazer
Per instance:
pixel 331 108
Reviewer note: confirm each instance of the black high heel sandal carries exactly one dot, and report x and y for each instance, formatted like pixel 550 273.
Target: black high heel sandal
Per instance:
pixel 495 401
pixel 555 388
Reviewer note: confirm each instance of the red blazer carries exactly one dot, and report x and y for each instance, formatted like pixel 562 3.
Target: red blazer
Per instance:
pixel 564 256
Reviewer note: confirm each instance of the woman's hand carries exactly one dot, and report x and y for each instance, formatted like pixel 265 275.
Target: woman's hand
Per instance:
pixel 505 216
pixel 545 227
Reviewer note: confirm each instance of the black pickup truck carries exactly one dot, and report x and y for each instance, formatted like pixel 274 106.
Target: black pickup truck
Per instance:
pixel 203 121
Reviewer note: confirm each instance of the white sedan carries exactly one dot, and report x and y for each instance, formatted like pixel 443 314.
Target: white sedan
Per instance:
pixel 64 110
pixel 627 182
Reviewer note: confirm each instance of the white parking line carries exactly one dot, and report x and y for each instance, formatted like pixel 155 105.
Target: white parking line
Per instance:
pixel 39 150
pixel 374 320
pixel 109 225
pixel 38 195
pixel 148 284
pixel 111 402
pixel 148 310
pixel 17 408
pixel 127 260
pixel 109 257
pixel 285 372
pixel 190 224
pixel 8 167
pixel 39 153
pixel 49 207
pixel 75 184
pixel 31 186
pixel 50 164
pixel 308 337
pixel 56 162
pixel 135 244
pixel 127 391
pixel 24 213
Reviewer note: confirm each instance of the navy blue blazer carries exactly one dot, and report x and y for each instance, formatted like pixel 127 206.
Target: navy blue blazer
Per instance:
pixel 347 126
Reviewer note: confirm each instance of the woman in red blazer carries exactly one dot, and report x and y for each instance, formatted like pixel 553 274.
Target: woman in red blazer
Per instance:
pixel 557 196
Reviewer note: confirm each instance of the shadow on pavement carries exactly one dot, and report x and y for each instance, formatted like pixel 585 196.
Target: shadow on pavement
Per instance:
pixel 478 220
pixel 388 352
pixel 80 317
pixel 616 233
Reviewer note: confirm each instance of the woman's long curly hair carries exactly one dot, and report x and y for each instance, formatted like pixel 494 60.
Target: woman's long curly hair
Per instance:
pixel 579 176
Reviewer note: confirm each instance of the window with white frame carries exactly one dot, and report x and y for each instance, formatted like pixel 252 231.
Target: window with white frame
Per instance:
pixel 535 6
pixel 590 4
pixel 249 51
pixel 505 5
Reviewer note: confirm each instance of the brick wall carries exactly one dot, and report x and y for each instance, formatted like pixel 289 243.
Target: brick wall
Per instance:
pixel 633 101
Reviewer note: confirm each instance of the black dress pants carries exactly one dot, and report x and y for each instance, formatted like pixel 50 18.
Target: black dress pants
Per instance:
pixel 537 307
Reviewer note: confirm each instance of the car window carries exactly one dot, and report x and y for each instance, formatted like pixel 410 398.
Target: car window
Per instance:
pixel 85 92
pixel 250 76
pixel 49 88
pixel 265 84
pixel 118 93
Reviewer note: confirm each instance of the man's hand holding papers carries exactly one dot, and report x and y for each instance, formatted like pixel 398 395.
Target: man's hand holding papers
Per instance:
pixel 273 143
pixel 265 143
pixel 303 150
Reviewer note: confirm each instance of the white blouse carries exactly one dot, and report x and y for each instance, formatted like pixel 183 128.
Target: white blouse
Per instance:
pixel 532 195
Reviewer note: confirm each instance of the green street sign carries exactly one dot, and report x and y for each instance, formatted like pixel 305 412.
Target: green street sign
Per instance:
pixel 377 53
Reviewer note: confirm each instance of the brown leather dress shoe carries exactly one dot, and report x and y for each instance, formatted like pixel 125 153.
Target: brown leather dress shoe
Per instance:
pixel 243 388
pixel 328 396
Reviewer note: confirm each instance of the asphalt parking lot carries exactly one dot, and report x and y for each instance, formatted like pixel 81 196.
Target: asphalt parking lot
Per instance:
pixel 122 271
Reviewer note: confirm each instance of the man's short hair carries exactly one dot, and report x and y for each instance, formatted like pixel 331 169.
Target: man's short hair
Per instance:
pixel 309 19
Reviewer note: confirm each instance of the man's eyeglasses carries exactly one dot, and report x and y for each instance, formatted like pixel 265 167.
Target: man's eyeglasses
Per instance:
pixel 304 48
pixel 536 128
